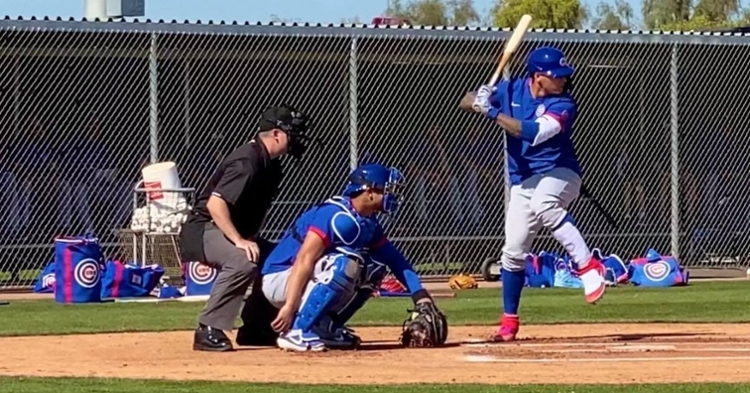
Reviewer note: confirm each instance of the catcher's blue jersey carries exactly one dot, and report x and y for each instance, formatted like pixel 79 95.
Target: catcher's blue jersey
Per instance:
pixel 339 225
pixel 336 222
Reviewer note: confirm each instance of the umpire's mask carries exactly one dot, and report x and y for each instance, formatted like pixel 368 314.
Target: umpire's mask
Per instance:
pixel 293 122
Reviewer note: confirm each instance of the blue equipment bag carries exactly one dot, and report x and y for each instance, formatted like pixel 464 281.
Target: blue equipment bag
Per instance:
pixel 540 270
pixel 45 283
pixel 199 279
pixel 78 268
pixel 124 280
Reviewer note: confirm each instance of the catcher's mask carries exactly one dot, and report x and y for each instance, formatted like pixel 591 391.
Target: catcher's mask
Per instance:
pixel 294 123
pixel 388 180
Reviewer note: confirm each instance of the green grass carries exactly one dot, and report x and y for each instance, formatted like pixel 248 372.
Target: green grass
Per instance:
pixel 81 385
pixel 700 302
pixel 25 275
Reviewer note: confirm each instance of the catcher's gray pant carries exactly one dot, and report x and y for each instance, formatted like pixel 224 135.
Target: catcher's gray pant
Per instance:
pixel 235 275
pixel 275 284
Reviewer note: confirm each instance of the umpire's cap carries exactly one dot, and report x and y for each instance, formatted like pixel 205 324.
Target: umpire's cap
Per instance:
pixel 293 122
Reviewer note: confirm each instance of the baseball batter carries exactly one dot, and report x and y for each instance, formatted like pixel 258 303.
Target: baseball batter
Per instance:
pixel 537 112
pixel 331 260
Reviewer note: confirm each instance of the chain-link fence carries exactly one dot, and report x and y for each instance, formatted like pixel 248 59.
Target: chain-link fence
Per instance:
pixel 661 131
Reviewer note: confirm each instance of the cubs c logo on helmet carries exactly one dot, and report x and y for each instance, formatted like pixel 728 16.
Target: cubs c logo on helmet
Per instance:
pixel 201 274
pixel 656 271
pixel 87 273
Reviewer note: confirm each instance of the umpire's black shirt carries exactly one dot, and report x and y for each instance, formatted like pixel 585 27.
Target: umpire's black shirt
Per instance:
pixel 248 181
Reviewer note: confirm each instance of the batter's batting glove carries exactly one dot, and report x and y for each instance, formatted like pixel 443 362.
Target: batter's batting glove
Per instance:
pixel 485 91
pixel 481 104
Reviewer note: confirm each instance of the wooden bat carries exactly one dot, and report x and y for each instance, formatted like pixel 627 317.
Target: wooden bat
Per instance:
pixel 510 46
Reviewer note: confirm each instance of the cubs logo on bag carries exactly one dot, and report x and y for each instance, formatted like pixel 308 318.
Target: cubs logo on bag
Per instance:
pixel 655 270
pixel 45 283
pixel 199 279
pixel 78 268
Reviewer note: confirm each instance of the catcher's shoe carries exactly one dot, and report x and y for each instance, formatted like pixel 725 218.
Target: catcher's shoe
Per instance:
pixel 341 338
pixel 335 335
pixel 299 341
pixel 508 329
pixel 592 277
pixel 209 339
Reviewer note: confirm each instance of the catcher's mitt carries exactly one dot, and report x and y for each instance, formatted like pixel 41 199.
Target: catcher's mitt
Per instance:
pixel 425 328
pixel 462 281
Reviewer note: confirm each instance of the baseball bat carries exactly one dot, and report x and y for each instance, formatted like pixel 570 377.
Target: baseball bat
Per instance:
pixel 510 47
pixel 598 206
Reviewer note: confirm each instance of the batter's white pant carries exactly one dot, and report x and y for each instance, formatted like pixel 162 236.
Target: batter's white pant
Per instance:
pixel 540 201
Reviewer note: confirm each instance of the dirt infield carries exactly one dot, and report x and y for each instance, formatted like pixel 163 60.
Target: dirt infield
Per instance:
pixel 633 353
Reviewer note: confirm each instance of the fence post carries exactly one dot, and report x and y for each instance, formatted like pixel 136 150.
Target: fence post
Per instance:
pixel 153 69
pixel 675 154
pixel 353 105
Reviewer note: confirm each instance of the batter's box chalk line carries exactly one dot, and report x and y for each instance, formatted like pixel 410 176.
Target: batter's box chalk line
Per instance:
pixel 672 346
pixel 494 359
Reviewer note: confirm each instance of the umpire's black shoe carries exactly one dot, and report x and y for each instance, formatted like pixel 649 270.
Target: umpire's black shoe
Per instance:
pixel 211 340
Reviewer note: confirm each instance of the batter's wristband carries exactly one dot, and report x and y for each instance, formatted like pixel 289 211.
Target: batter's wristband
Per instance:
pixel 419 295
pixel 493 113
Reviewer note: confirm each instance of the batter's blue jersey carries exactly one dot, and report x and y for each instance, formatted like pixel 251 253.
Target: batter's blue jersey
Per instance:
pixel 524 159
pixel 339 225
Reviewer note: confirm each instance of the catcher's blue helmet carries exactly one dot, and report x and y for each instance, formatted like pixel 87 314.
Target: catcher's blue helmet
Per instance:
pixel 549 61
pixel 379 177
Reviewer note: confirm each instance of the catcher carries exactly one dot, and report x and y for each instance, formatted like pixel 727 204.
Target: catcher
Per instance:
pixel 332 259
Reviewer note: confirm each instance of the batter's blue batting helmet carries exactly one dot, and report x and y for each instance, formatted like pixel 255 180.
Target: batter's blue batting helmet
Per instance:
pixel 549 61
pixel 379 177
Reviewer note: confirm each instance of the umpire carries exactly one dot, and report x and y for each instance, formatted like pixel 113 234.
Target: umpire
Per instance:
pixel 222 230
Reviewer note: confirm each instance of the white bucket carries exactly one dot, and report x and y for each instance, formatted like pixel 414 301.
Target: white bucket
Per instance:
pixel 159 176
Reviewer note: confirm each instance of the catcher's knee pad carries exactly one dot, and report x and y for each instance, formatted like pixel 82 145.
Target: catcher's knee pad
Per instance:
pixel 374 271
pixel 355 303
pixel 335 284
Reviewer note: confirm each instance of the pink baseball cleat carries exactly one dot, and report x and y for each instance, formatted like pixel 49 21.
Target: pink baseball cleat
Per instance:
pixel 592 277
pixel 508 329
